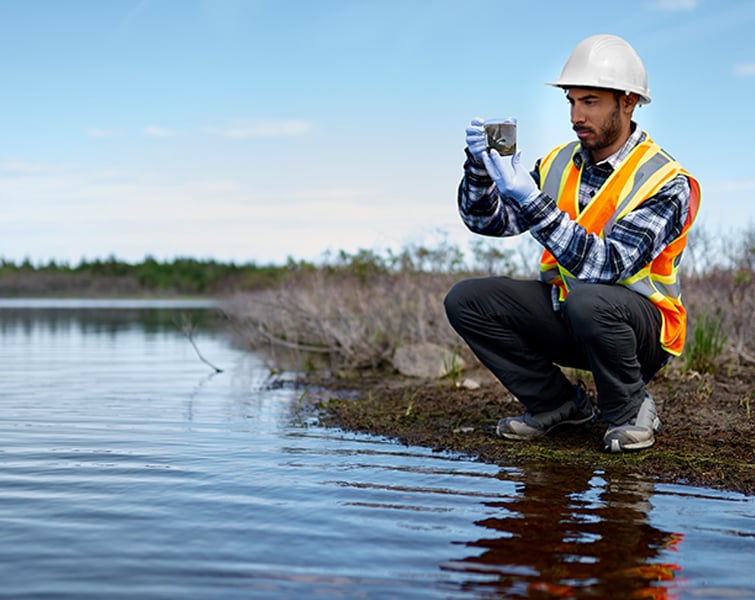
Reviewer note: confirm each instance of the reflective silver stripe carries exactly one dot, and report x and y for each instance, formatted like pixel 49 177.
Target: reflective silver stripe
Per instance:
pixel 552 183
pixel 670 290
pixel 647 287
pixel 569 280
pixel 549 275
pixel 643 287
pixel 659 160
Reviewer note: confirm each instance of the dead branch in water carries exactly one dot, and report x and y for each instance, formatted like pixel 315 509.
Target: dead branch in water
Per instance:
pixel 187 328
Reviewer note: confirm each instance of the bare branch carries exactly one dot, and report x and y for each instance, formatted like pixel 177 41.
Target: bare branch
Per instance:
pixel 187 328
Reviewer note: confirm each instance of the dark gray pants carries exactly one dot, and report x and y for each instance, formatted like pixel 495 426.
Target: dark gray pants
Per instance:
pixel 512 328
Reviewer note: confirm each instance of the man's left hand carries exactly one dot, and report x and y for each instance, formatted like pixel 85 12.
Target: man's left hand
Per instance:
pixel 512 180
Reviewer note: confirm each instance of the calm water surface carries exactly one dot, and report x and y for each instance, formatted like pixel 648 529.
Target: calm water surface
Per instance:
pixel 129 470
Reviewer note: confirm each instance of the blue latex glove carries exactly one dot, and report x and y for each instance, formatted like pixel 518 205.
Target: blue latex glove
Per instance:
pixel 477 140
pixel 512 180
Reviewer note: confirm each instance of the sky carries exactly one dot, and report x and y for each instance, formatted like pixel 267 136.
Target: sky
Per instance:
pixel 263 130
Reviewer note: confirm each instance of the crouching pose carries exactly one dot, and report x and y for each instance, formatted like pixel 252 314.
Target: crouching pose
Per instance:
pixel 612 210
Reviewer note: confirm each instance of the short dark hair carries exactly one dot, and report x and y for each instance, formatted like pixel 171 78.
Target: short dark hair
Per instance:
pixel 617 94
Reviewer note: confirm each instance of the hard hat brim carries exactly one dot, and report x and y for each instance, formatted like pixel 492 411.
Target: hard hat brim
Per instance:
pixel 643 97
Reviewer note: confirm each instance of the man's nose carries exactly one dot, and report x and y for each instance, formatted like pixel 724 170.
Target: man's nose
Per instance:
pixel 576 115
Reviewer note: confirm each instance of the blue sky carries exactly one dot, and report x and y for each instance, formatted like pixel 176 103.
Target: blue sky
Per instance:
pixel 255 130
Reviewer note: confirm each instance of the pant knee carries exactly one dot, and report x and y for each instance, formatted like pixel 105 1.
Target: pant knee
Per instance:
pixel 455 299
pixel 587 311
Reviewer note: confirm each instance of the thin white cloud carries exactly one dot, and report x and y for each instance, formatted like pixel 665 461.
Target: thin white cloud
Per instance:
pixel 674 5
pixel 745 70
pixel 157 131
pixel 19 167
pixel 102 133
pixel 261 129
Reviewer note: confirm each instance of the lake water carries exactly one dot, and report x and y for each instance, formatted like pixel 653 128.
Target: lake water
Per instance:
pixel 129 469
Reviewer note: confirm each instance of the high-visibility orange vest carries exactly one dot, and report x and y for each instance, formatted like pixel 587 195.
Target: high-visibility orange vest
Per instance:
pixel 639 176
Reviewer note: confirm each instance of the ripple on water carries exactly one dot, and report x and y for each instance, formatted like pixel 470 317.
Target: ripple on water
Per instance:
pixel 128 471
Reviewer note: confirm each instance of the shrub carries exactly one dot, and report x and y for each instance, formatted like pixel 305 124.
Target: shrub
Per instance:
pixel 706 344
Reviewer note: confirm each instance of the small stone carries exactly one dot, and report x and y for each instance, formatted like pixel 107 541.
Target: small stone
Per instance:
pixel 470 384
pixel 464 430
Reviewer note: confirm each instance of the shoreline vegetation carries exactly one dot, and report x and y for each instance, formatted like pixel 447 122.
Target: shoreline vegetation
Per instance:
pixel 113 277
pixel 340 323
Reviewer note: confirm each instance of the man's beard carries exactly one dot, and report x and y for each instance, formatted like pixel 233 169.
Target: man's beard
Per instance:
pixel 607 134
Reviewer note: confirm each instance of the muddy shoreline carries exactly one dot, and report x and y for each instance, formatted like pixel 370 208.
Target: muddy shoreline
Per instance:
pixel 706 440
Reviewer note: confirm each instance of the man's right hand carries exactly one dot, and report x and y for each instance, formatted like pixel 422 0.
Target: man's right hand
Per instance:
pixel 477 140
pixel 510 177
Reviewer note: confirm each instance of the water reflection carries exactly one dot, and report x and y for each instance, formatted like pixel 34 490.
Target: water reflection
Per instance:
pixel 82 318
pixel 129 470
pixel 573 533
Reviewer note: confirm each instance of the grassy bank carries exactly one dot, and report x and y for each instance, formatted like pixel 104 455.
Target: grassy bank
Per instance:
pixel 342 323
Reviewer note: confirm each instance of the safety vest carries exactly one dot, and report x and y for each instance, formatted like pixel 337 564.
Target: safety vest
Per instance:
pixel 641 175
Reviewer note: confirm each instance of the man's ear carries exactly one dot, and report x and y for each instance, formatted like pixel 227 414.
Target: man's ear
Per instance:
pixel 629 102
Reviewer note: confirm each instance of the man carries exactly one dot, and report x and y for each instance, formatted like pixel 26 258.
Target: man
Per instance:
pixel 612 211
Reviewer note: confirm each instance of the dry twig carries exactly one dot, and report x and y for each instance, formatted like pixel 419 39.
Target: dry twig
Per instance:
pixel 187 328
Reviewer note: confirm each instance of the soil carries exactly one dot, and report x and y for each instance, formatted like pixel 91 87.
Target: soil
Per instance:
pixel 706 439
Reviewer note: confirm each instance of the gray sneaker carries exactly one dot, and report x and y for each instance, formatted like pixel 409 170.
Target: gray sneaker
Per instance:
pixel 637 433
pixel 529 426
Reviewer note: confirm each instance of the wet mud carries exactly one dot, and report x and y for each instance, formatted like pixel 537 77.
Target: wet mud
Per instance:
pixel 706 439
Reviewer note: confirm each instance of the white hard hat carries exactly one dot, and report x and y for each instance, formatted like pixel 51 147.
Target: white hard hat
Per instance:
pixel 606 61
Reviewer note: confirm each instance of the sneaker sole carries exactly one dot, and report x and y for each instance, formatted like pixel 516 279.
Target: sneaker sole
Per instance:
pixel 510 435
pixel 616 446
pixel 507 435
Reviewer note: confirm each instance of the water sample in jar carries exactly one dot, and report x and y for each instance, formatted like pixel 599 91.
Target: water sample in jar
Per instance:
pixel 501 135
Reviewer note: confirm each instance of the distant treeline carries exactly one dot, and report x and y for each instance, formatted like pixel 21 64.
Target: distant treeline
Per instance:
pixel 110 276
pixel 707 254
pixel 191 276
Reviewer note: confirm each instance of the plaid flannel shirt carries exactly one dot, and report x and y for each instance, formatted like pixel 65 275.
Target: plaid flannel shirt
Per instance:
pixel 634 241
